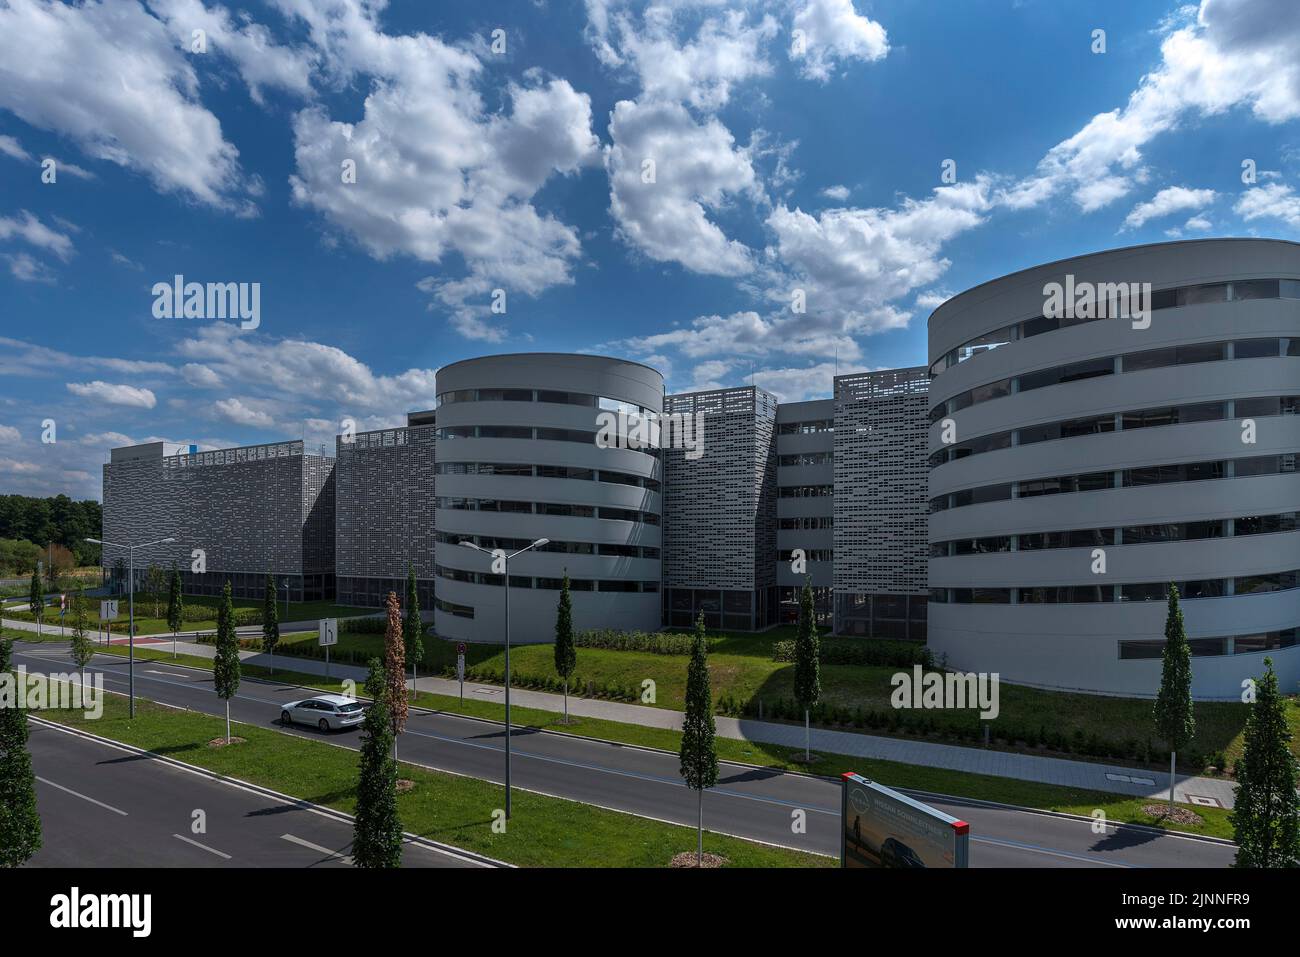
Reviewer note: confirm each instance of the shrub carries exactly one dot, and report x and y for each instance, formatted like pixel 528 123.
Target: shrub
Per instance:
pixel 862 651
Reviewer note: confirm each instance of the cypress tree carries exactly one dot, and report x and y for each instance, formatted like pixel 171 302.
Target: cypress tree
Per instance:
pixel 807 668
pixel 175 606
pixel 413 628
pixel 1266 816
pixel 699 756
pixel 395 668
pixel 36 600
pixel 20 823
pixel 82 648
pixel 566 655
pixel 270 620
pixel 377 831
pixel 1174 717
pixel 225 663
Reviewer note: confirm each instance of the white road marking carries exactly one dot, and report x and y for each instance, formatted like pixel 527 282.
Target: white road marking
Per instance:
pixel 172 674
pixel 107 807
pixel 293 839
pixel 203 847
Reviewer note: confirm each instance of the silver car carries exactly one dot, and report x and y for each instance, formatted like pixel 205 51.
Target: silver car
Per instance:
pixel 329 712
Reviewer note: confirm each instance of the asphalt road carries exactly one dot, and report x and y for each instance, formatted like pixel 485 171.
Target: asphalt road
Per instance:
pixel 748 802
pixel 102 806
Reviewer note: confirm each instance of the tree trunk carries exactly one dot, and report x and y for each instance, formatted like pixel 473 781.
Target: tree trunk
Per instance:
pixel 807 739
pixel 566 700
pixel 1173 755
pixel 227 721
pixel 699 849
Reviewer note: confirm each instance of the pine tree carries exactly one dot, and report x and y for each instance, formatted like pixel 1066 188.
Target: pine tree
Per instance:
pixel 377 831
pixel 807 668
pixel 1266 816
pixel 699 756
pixel 36 600
pixel 1174 717
pixel 566 655
pixel 225 663
pixel 20 823
pixel 175 607
pixel 270 620
pixel 413 628
pixel 82 648
pixel 395 667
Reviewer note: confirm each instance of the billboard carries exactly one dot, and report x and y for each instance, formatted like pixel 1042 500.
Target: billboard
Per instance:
pixel 883 828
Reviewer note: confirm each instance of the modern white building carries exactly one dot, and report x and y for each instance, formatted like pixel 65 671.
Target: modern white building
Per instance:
pixel 1079 464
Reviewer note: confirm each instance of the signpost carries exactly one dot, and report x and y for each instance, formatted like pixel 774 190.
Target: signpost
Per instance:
pixel 460 668
pixel 329 635
pixel 63 610
pixel 883 828
pixel 108 612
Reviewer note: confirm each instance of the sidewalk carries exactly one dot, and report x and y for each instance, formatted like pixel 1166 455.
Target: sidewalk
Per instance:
pixel 1115 779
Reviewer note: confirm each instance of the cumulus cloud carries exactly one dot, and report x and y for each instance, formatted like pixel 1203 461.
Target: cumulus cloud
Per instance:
pixel 9 435
pixel 1270 201
pixel 112 78
pixel 837 193
pixel 113 393
pixel 30 229
pixel 832 31
pixel 1175 199
pixel 697 168
pixel 239 412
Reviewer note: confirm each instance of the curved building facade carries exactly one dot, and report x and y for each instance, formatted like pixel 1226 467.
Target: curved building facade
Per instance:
pixel 517 460
pixel 1103 426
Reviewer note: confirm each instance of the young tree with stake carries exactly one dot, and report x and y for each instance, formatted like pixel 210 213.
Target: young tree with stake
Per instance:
pixel 566 655
pixel 395 668
pixel 270 620
pixel 154 582
pixel 82 648
pixel 20 823
pixel 1266 816
pixel 1174 717
pixel 377 831
pixel 36 600
pixel 699 755
pixel 175 606
pixel 225 663
pixel 413 628
pixel 807 668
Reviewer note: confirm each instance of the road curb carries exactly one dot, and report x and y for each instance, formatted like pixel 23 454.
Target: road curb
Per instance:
pixel 329 812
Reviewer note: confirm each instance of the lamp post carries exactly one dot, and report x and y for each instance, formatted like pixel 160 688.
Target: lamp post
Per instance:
pixel 130 582
pixel 284 582
pixel 505 563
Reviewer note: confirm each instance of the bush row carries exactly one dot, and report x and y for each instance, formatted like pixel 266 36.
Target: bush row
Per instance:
pixel 862 651
pixel 654 642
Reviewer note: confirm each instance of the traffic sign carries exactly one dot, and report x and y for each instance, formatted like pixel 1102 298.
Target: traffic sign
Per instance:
pixel 108 610
pixel 460 648
pixel 329 631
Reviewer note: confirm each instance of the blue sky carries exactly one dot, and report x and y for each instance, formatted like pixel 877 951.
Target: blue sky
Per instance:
pixel 798 145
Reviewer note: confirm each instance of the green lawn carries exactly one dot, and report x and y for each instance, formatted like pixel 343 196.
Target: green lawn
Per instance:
pixel 983 787
pixel 741 668
pixel 543 831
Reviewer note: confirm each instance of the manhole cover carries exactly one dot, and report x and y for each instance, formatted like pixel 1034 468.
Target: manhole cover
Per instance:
pixel 1203 801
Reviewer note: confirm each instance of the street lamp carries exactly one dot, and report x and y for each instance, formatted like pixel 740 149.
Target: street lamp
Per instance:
pixel 130 582
pixel 505 561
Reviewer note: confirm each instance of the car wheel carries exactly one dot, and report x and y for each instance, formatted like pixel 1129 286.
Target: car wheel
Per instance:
pixel 323 724
pixel 284 717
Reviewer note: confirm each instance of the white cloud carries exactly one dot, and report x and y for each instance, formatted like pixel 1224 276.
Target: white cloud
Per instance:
pixel 1199 223
pixel 834 32
pixel 239 412
pixel 1236 53
pixel 29 228
pixel 436 173
pixel 27 269
pixel 1270 201
pixel 9 434
pixel 837 193
pixel 697 168
pixel 111 439
pixel 1174 199
pixel 109 76
pixel 747 334
pixel 114 393
pixel 200 376
pixel 13 149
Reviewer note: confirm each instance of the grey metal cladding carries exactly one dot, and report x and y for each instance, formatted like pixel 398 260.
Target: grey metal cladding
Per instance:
pixel 385 492
pixel 720 509
pixel 881 501
pixel 250 509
